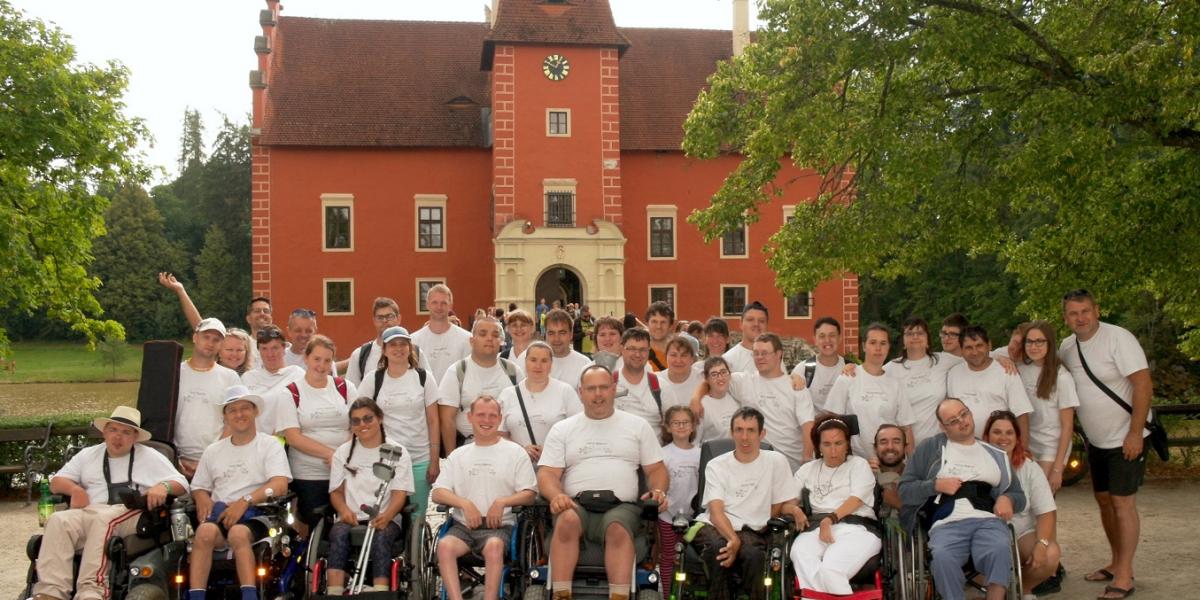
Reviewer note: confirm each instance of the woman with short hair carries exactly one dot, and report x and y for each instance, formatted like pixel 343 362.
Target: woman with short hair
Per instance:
pixel 536 403
pixel 520 328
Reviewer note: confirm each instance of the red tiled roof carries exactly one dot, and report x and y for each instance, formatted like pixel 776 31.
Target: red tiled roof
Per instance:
pixel 583 22
pixel 376 83
pixel 662 73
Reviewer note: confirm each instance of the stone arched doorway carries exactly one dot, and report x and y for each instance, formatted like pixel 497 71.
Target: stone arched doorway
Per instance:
pixel 562 284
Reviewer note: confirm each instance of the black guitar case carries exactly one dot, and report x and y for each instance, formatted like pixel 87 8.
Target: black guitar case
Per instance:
pixel 158 394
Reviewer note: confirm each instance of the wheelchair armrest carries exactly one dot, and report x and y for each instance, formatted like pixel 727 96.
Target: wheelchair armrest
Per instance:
pixel 783 523
pixel 443 508
pixel 325 510
pixel 409 508
pixel 280 500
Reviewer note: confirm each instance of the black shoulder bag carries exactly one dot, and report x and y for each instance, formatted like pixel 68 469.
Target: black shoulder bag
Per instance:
pixel 1158 434
pixel 525 414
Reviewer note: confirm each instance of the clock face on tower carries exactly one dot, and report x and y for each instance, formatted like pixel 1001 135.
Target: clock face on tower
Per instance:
pixel 556 67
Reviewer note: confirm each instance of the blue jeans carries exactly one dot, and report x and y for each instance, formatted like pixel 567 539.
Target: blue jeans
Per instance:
pixel 984 540
pixel 381 549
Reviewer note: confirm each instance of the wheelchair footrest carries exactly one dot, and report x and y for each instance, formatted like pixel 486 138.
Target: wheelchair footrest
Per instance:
pixel 364 596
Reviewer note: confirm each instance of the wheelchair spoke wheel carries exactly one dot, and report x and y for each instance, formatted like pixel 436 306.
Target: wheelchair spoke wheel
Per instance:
pixel 1077 461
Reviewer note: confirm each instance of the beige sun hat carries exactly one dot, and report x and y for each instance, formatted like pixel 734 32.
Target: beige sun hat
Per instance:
pixel 123 415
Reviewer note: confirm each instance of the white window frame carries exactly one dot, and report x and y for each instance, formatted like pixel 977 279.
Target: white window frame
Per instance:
pixel 789 213
pixel 745 245
pixel 654 211
pixel 325 296
pixel 569 125
pixel 337 200
pixel 811 306
pixel 429 201
pixel 658 286
pixel 721 297
pixel 419 281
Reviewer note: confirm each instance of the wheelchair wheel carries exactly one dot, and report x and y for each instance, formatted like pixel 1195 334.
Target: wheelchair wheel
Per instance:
pixel 532 551
pixel 1077 462
pixel 1015 580
pixel 648 595
pixel 422 572
pixel 538 592
pixel 146 592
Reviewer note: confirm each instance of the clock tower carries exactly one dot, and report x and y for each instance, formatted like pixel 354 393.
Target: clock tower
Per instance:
pixel 556 157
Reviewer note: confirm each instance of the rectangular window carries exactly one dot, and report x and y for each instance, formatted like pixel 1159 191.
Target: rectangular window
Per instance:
pixel 734 244
pixel 799 306
pixel 663 293
pixel 339 296
pixel 733 300
pixel 558 123
pixel 430 227
pixel 423 287
pixel 560 209
pixel 337 222
pixel 662 237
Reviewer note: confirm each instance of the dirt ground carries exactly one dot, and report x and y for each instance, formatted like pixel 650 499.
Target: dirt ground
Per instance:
pixel 1165 565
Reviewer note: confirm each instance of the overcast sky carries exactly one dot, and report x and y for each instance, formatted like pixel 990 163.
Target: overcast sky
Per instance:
pixel 199 53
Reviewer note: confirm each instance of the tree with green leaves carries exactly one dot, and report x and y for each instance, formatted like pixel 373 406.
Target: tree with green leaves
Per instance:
pixel 217 279
pixel 63 135
pixel 1062 136
pixel 112 353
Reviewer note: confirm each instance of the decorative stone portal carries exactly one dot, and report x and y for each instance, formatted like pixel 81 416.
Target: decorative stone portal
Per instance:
pixel 559 262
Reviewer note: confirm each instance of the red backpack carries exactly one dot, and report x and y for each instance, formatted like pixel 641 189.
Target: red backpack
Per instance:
pixel 338 383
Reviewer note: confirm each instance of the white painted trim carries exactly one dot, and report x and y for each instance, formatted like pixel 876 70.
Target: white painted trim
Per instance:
pixel 325 296
pixel 569 125
pixel 336 200
pixel 721 297
pixel 430 201
pixel 662 210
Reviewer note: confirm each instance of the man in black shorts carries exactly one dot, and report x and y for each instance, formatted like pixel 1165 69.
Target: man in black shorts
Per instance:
pixel 1107 363
pixel 492 475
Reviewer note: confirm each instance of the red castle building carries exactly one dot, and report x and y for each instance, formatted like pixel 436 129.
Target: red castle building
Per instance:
pixel 534 155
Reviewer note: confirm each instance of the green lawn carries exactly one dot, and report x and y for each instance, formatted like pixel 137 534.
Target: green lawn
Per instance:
pixel 62 362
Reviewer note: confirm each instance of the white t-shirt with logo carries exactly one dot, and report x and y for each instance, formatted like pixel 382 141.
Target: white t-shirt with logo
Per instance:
pixel 353 375
pixel 875 400
pixel 476 381
pixel 569 368
pixel 553 404
pixel 362 486
pixel 1113 354
pixel 823 379
pixel 323 416
pixel 785 411
pixel 228 472
pixel 747 489
pixel 830 487
pixel 442 350
pixel 987 391
pixel 639 400
pixel 482 474
pixel 1045 423
pixel 197 421
pixel 740 360
pixel 297 360
pixel 684 468
pixel 1040 500
pixel 601 454
pixel 150 468
pixel 273 389
pixel 968 463
pixel 718 416
pixel 678 394
pixel 924 383
pixel 404 401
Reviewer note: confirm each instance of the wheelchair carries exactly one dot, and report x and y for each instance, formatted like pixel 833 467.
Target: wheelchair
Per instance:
pixel 875 580
pixel 690 579
pixel 913 555
pixel 526 552
pixel 410 556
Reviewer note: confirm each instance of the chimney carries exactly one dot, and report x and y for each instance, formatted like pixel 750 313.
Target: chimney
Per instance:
pixel 491 12
pixel 741 26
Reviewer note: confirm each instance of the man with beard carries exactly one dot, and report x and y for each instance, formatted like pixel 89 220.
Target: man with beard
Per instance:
pixel 659 319
pixel 888 465
pixel 983 384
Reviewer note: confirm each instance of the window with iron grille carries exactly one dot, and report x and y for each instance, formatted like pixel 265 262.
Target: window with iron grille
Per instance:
pixel 663 294
pixel 337 297
pixel 662 237
pixel 559 123
pixel 800 305
pixel 337 227
pixel 733 300
pixel 431 227
pixel 734 243
pixel 560 209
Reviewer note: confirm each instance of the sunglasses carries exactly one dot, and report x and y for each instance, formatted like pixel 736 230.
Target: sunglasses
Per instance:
pixel 356 421
pixel 266 335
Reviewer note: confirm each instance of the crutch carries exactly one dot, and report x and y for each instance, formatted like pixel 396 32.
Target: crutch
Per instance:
pixel 384 470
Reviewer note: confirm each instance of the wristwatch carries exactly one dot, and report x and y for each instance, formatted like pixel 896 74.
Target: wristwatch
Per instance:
pixel 1044 542
pixel 249 499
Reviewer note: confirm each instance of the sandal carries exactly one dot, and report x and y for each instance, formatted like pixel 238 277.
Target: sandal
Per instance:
pixel 1104 575
pixel 1108 589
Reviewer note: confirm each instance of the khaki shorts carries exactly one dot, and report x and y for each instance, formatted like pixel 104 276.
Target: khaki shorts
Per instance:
pixel 596 524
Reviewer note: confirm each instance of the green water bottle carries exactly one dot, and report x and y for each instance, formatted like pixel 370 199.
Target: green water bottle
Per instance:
pixel 45 505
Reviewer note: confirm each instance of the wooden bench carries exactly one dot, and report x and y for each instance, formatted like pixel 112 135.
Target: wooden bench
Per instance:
pixel 35 458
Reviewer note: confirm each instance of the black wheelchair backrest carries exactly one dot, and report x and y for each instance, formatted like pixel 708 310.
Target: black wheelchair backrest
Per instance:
pixel 709 451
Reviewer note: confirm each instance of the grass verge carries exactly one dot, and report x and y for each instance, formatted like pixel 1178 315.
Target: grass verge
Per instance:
pixel 67 362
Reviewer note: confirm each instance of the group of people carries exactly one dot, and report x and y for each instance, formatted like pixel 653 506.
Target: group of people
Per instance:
pixel 516 417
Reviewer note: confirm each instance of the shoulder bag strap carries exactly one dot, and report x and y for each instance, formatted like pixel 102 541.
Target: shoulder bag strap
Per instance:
pixel 525 414
pixel 1104 388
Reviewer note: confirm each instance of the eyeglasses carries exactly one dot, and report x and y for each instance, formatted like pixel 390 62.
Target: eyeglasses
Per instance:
pixel 637 350
pixel 385 318
pixel 946 334
pixel 266 335
pixel 368 419
pixel 592 389
pixel 680 423
pixel 719 374
pixel 303 312
pixel 1036 343
pixel 914 334
pixel 765 354
pixel 966 412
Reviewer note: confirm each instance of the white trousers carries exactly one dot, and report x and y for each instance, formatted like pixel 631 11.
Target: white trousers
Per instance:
pixel 828 567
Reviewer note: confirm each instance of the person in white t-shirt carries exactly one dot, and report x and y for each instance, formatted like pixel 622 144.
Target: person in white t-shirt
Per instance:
pixel 642 387
pixel 568 364
pixel 92 479
pixel 1037 540
pixel 716 339
pixel 271 380
pixel 682 459
pixel 482 373
pixel 408 395
pixel 202 385
pixel 872 396
pixel 520 327
pixel 922 374
pixel 353 485
pixel 888 465
pixel 385 313
pixel 608 332
pixel 544 400
pixel 754 324
pixel 1116 437
pixel 314 420
pixel 982 383
pixel 236 350
pixel 842 534
pixel 743 490
pixel 679 380
pixel 599 449
pixel 718 403
pixel 481 483
pixel 301 326
pixel 441 342
pixel 951 334
pixel 1051 390
pixel 234 475
pixel 828 363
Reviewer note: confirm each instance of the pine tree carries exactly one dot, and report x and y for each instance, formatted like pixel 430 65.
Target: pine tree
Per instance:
pixel 217 280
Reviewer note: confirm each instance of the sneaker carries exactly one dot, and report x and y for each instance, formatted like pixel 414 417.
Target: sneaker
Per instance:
pixel 1053 585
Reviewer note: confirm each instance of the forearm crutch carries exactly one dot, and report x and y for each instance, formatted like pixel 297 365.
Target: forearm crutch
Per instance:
pixel 385 471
